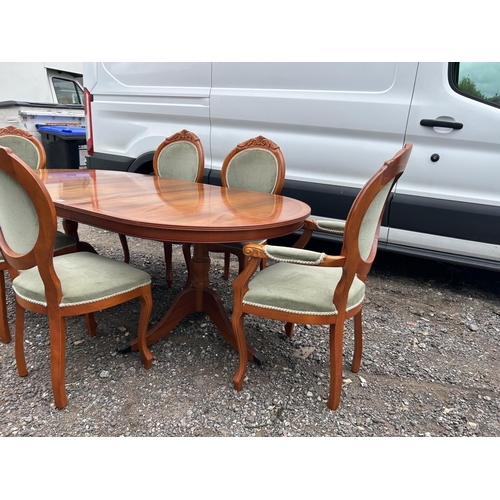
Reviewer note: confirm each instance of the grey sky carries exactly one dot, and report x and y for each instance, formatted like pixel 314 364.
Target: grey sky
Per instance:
pixel 486 76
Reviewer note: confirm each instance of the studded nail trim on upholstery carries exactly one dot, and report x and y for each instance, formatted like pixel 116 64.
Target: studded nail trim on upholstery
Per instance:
pixel 85 277
pixel 300 289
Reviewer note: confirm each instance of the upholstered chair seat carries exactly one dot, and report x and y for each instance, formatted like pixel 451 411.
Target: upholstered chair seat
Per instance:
pixel 85 278
pixel 299 289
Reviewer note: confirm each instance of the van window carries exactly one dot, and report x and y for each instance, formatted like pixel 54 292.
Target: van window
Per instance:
pixel 477 80
pixel 67 91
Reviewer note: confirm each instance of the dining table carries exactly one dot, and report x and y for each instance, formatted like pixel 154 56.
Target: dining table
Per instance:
pixel 170 210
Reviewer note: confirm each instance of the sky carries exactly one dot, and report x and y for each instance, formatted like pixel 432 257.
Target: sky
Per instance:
pixel 261 30
pixel 486 76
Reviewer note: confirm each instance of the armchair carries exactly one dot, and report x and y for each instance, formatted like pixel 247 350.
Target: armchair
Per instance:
pixel 309 287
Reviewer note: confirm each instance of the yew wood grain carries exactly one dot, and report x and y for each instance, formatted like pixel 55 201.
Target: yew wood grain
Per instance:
pixel 170 210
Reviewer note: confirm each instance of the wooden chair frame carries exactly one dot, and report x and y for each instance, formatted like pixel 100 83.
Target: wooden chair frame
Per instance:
pixel 352 264
pixel 41 255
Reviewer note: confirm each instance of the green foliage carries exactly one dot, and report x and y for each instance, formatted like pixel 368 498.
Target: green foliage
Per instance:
pixel 469 87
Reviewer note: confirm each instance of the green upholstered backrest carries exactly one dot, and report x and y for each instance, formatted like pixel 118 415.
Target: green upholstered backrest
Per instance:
pixel 253 169
pixel 369 224
pixel 23 148
pixel 179 160
pixel 18 217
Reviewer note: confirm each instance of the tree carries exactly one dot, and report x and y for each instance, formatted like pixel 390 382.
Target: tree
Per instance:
pixel 469 87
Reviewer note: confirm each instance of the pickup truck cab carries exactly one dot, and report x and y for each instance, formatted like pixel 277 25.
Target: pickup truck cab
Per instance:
pixel 335 124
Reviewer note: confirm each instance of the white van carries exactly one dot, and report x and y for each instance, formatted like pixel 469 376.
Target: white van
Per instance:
pixel 335 124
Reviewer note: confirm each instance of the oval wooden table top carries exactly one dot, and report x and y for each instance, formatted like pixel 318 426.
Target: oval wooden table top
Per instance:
pixel 163 209
pixel 155 208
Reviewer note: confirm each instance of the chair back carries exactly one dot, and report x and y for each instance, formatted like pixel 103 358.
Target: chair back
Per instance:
pixel 180 156
pixel 364 219
pixel 24 145
pixel 255 165
pixel 25 203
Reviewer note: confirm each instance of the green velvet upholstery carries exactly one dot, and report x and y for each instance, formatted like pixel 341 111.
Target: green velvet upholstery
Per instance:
pixel 18 217
pixel 300 289
pixel 63 241
pixel 331 226
pixel 23 148
pixel 254 170
pixel 17 211
pixel 294 255
pixel 85 277
pixel 179 160
pixel 370 221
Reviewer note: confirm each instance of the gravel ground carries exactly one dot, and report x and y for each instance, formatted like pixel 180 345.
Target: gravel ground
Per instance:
pixel 430 364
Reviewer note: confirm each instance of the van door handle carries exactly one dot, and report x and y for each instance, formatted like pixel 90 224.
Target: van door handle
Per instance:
pixel 439 123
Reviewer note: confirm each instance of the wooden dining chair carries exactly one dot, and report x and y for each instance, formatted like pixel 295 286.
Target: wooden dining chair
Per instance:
pixel 179 156
pixel 310 287
pixel 27 147
pixel 77 283
pixel 254 165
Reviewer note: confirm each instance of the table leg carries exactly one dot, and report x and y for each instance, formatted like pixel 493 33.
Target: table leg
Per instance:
pixel 199 297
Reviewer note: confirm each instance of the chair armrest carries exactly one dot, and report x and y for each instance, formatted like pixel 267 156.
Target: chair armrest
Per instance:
pixel 292 255
pixel 323 226
pixel 330 226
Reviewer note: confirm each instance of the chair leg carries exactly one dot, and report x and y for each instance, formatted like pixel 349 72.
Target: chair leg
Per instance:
pixel 289 329
pixel 239 332
pixel 126 252
pixel 91 324
pixel 4 322
pixel 336 342
pixel 57 327
pixel 167 250
pixel 227 261
pixel 19 345
pixel 358 343
pixel 144 316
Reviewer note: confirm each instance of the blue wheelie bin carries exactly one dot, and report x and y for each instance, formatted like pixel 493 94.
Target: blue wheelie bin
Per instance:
pixel 62 145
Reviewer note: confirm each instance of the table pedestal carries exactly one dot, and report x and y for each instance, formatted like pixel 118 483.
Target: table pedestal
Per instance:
pixel 196 297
